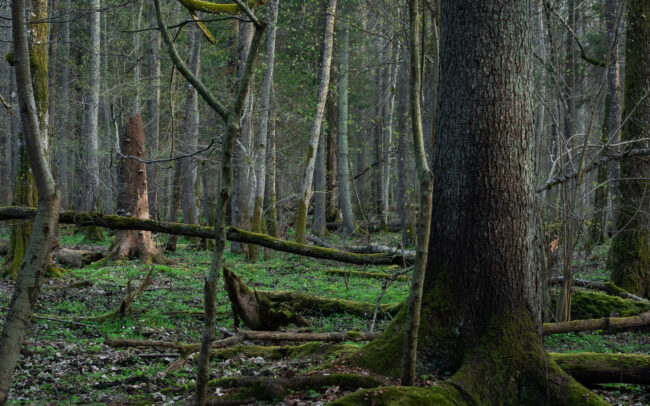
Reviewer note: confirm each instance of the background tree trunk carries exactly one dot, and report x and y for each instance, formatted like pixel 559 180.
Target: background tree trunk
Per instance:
pixel 345 200
pixel 314 135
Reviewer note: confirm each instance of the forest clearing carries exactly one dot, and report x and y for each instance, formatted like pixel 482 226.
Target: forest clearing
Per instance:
pixel 310 202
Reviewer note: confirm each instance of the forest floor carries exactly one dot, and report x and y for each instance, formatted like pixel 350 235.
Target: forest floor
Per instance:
pixel 66 360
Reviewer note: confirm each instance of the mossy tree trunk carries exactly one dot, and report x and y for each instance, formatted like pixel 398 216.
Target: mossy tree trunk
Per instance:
pixel 629 257
pixel 481 318
pixel 315 133
pixel 25 193
pixel 36 256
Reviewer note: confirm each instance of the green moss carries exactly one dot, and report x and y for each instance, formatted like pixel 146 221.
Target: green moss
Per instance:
pixel 10 58
pixel 442 394
pixel 593 305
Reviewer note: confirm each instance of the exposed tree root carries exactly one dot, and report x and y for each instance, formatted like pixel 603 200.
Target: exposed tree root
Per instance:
pixel 233 234
pixel 608 287
pixel 606 323
pixel 254 388
pixel 591 368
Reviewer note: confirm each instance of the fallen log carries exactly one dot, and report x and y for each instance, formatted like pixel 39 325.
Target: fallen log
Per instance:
pixel 362 274
pixel 587 304
pixel 608 287
pixel 264 310
pixel 261 388
pixel 371 248
pixel 590 368
pixel 77 258
pixel 83 218
pixel 373 227
pixel 606 323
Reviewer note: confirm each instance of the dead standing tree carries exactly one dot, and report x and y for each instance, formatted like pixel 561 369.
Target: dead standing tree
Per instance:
pixel 132 200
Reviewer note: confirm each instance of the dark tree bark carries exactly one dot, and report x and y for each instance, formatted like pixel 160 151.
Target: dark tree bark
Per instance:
pixel 629 258
pixel 133 200
pixel 481 319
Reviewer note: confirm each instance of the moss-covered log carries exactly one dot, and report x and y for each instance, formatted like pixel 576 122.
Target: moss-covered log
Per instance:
pixel 591 368
pixel 609 287
pixel 593 305
pixel 606 323
pixel 361 274
pixel 233 234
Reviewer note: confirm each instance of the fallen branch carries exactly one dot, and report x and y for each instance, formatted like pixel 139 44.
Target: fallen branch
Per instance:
pixel 80 284
pixel 608 287
pixel 83 218
pixel 606 323
pixel 77 258
pixel 591 368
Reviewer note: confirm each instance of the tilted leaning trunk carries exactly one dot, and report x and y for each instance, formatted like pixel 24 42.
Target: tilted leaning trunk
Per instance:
pixel 629 257
pixel 314 135
pixel 133 200
pixel 24 187
pixel 480 305
pixel 35 260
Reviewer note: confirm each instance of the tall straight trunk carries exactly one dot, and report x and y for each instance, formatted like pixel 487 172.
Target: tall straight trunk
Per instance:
pixel 262 132
pixel 38 35
pixel 35 260
pixel 425 177
pixel 108 127
pixel 319 221
pixel 345 200
pixel 331 161
pixel 91 119
pixel 175 203
pixel 270 195
pixel 314 135
pixel 190 132
pixel 387 136
pixel 239 200
pixel 137 23
pixel 403 173
pixel 629 257
pixel 153 120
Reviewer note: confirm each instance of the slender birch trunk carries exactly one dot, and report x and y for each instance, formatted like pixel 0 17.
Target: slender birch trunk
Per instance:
pixel 310 158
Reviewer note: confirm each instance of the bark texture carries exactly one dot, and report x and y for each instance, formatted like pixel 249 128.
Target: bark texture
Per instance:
pixel 133 200
pixel 629 257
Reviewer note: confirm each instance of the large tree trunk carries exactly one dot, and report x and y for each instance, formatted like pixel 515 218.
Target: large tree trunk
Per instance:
pixel 133 200
pixel 265 107
pixel 314 135
pixel 481 315
pixel 35 260
pixel 345 200
pixel 629 258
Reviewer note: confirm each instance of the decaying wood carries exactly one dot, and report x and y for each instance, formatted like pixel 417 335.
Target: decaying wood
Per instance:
pixel 606 323
pixel 608 287
pixel 233 234
pixel 77 258
pixel 277 388
pixel 591 368
pixel 256 310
